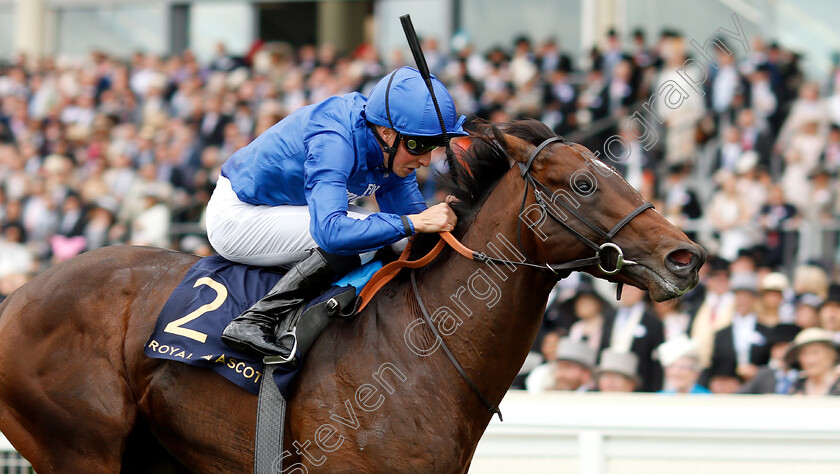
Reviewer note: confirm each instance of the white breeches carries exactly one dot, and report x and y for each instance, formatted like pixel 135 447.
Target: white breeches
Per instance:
pixel 262 235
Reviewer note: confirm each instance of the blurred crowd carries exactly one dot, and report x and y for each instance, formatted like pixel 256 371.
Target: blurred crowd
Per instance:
pixel 745 329
pixel 101 151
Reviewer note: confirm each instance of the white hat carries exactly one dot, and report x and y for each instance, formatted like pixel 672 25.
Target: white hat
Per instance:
pixel 622 363
pixel 747 161
pixel 809 336
pixel 774 282
pixel 576 351
pixel 676 348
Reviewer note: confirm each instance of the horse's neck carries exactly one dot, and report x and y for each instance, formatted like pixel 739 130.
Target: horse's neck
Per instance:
pixel 499 307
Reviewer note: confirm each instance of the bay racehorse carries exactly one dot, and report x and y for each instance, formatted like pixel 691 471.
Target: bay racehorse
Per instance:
pixel 376 394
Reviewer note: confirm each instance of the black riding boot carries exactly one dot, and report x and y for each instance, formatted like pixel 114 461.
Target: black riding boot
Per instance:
pixel 253 330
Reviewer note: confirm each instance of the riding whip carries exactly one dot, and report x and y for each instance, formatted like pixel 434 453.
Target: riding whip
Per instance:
pixel 420 60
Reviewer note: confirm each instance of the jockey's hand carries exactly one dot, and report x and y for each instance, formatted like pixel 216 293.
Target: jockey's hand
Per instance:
pixel 438 218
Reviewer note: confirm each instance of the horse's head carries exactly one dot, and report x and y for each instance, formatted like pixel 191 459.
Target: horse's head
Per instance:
pixel 575 209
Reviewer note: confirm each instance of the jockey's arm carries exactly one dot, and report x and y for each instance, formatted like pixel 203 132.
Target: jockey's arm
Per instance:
pixel 326 172
pixel 401 196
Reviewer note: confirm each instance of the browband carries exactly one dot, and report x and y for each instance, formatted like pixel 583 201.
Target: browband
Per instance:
pixel 527 166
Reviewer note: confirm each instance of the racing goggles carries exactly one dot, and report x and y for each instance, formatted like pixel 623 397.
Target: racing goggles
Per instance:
pixel 421 145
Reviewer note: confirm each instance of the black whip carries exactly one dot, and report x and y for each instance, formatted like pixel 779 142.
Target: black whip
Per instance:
pixel 420 60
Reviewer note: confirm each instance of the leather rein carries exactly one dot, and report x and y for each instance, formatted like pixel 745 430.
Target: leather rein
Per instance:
pixel 542 195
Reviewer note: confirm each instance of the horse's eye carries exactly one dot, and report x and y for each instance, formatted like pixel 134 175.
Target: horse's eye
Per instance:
pixel 583 186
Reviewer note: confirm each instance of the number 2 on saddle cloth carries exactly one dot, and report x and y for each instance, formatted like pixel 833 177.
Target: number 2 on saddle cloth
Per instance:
pixel 211 294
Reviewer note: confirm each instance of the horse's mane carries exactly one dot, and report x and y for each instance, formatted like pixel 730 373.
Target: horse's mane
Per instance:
pixel 478 168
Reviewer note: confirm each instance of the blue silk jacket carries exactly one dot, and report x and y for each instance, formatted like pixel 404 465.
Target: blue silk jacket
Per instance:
pixel 324 156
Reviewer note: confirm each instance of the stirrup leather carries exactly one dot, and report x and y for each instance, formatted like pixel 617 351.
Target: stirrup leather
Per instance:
pixel 305 326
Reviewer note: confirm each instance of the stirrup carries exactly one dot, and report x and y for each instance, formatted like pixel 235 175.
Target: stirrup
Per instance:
pixel 284 360
pixel 306 326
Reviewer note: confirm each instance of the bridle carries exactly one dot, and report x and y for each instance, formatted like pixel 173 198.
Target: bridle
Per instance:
pixel 542 195
pixel 540 191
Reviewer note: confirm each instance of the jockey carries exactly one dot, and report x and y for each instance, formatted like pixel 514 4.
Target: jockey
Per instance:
pixel 284 198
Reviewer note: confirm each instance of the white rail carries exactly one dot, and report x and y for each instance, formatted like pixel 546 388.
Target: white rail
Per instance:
pixel 598 433
pixel 603 433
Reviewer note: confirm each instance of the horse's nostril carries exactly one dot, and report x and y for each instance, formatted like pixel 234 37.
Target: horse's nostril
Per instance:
pixel 681 257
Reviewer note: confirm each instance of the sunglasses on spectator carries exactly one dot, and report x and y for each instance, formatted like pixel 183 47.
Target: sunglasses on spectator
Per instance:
pixel 421 145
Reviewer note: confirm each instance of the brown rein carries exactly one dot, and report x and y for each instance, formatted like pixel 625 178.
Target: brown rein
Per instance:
pixel 389 271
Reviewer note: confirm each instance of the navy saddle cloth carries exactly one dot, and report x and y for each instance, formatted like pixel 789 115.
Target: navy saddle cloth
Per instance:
pixel 213 292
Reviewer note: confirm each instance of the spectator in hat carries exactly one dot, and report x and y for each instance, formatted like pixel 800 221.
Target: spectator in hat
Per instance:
pixel 559 312
pixel 151 226
pixel 100 221
pixel 635 328
pixel 681 359
pixel 830 311
pixel 715 313
pixel 810 278
pixel 807 311
pixel 816 354
pixel 741 348
pixel 617 372
pixel 588 307
pixel 777 377
pixel 573 367
pixel 772 307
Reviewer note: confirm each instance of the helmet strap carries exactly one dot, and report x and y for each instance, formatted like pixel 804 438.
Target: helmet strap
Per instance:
pixel 389 163
pixel 391 150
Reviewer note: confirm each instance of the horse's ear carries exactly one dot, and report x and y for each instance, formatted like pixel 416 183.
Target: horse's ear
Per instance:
pixel 516 148
pixel 498 135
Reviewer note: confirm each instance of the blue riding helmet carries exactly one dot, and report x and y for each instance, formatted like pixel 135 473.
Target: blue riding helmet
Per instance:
pixel 402 101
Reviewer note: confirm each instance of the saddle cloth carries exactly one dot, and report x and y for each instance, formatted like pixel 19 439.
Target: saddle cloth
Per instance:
pixel 211 294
